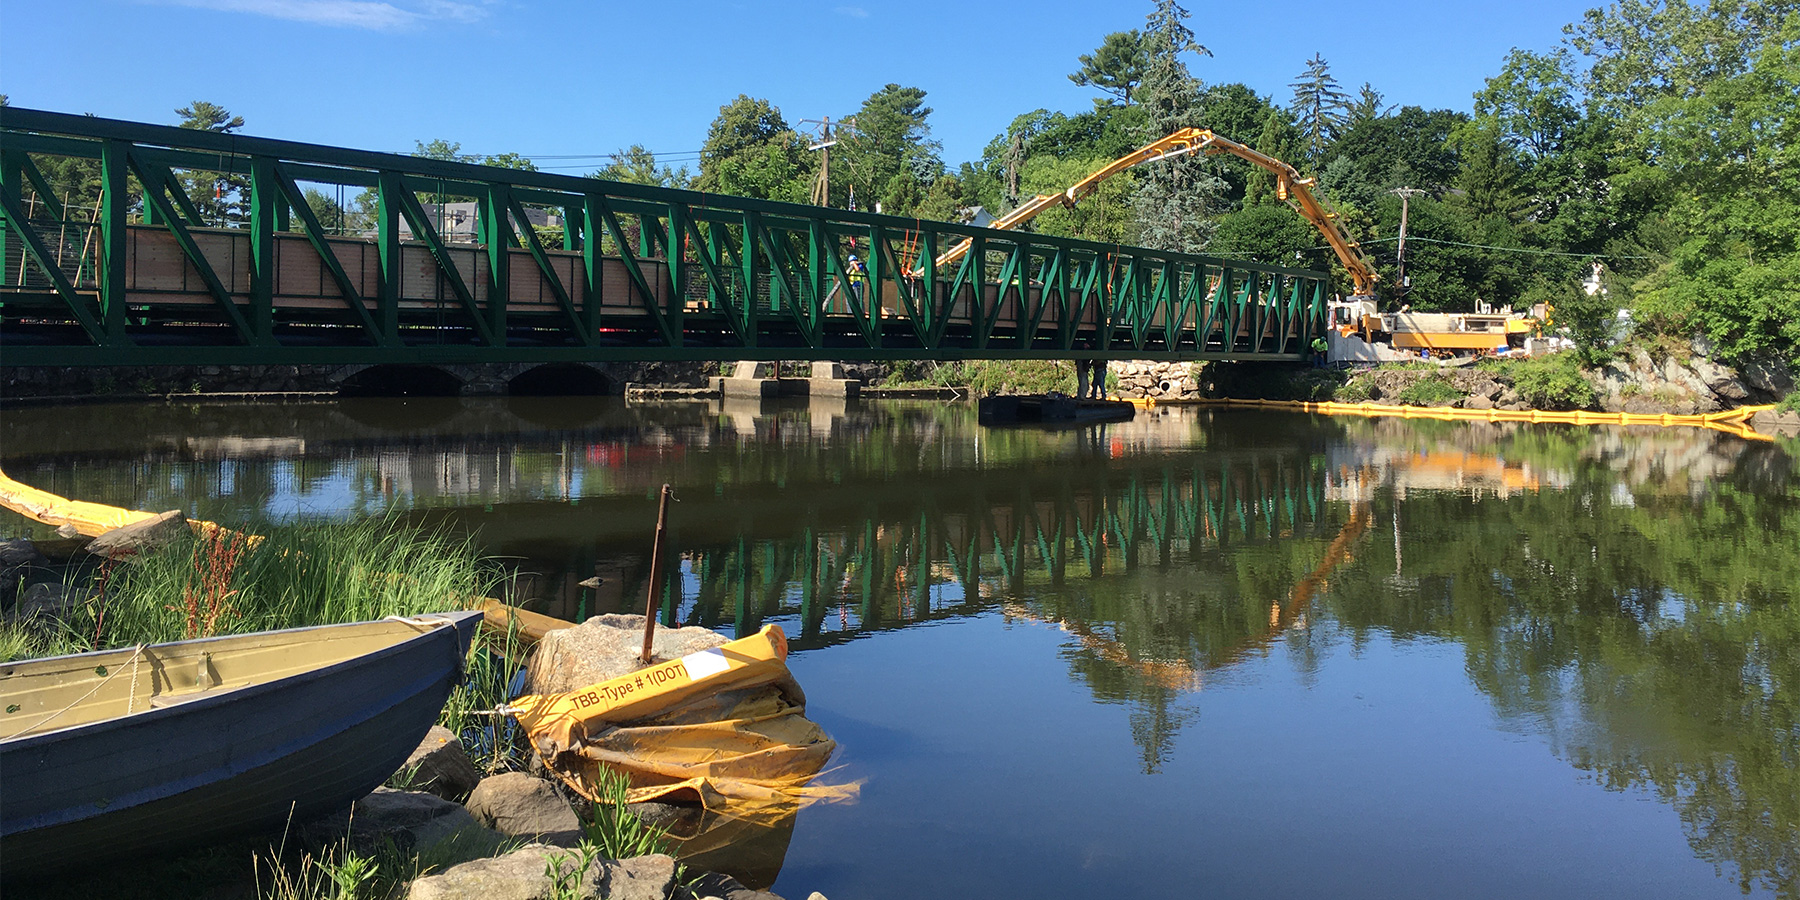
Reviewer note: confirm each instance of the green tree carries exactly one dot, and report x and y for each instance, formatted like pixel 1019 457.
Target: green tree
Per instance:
pixel 1103 216
pixel 750 151
pixel 1367 106
pixel 1707 101
pixel 1280 138
pixel 1408 148
pixel 203 116
pixel 509 161
pixel 1176 199
pixel 438 148
pixel 1272 234
pixel 332 217
pixel 1239 113
pixel 222 198
pixel 637 165
pixel 1531 102
pixel 1115 69
pixel 888 157
pixel 1488 181
pixel 1319 106
pixel 1589 319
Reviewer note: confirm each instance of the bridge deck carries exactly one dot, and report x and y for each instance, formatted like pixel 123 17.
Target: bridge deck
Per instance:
pixel 636 272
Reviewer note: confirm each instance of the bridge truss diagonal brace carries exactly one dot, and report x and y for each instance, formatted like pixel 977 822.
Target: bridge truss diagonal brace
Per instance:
pixel 17 225
pixel 392 188
pixel 315 235
pixel 599 211
pixel 717 288
pixel 158 182
pixel 560 291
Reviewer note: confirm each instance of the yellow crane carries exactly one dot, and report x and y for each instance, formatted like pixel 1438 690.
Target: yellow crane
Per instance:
pixel 1290 186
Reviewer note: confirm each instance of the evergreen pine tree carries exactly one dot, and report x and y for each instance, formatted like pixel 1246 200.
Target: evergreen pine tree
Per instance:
pixel 1320 106
pixel 1177 198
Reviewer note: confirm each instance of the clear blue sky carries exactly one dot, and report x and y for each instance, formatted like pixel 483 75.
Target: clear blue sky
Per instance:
pixel 569 78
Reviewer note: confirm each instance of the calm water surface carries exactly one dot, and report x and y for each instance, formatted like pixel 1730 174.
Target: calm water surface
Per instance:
pixel 1197 654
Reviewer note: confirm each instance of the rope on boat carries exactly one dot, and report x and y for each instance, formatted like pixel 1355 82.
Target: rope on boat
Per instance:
pixel 136 652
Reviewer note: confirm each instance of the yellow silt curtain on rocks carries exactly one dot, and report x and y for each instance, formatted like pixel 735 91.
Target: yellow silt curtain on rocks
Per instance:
pixel 724 728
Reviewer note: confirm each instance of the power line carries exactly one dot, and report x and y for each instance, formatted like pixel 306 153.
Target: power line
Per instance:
pixel 1506 249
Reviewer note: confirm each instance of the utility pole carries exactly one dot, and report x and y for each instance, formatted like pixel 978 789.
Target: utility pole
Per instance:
pixel 828 138
pixel 1406 194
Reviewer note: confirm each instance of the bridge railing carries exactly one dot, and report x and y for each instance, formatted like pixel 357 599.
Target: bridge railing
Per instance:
pixel 113 254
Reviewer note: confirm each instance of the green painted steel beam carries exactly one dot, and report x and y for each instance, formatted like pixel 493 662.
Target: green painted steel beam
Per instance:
pixel 394 189
pixel 535 247
pixel 18 226
pixel 156 182
pixel 772 272
pixel 315 235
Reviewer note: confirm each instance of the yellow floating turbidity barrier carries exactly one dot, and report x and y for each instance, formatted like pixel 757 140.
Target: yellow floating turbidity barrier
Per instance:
pixel 1732 421
pixel 724 728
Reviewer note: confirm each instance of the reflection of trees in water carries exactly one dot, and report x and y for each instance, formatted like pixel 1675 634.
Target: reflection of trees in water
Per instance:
pixel 1654 638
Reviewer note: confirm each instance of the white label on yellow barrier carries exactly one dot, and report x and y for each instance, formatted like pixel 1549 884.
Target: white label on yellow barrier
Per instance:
pixel 705 664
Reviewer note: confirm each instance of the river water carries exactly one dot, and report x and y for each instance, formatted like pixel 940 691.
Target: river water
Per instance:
pixel 1201 653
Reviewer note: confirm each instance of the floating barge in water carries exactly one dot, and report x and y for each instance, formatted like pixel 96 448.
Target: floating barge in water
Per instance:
pixel 1053 410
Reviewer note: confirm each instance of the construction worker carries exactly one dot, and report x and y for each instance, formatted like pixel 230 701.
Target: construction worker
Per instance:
pixel 857 274
pixel 1319 348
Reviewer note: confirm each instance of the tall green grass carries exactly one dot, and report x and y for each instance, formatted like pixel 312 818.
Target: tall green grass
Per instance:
pixel 295 576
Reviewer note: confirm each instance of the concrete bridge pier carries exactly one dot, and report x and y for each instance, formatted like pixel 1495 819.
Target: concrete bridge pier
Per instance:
pixel 828 381
pixel 749 378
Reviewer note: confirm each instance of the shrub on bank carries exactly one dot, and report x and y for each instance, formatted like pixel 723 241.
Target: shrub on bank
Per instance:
pixel 1356 390
pixel 1552 382
pixel 1432 390
pixel 989 376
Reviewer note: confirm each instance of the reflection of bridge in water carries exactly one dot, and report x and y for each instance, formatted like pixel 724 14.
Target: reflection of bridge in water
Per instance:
pixel 972 540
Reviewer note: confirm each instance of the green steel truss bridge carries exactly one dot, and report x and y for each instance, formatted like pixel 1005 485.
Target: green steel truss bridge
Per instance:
pixel 543 267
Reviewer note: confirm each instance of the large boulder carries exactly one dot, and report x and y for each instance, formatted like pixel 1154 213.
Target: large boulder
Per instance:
pixel 1770 376
pixel 606 647
pixel 439 766
pixel 408 821
pixel 1680 376
pixel 20 552
pixel 1721 381
pixel 714 886
pixel 524 875
pixel 517 804
pixel 141 536
pixel 519 875
pixel 44 605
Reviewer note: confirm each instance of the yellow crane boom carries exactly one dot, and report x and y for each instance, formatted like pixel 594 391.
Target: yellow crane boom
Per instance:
pixel 1290 186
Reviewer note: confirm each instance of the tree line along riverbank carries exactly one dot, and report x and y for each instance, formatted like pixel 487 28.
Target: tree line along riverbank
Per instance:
pixel 1654 378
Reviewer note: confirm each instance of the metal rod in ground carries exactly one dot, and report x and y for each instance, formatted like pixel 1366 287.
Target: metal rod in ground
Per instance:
pixel 656 562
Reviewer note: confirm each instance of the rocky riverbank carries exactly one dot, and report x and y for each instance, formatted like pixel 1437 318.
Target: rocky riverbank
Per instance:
pixel 512 836
pixel 1635 381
